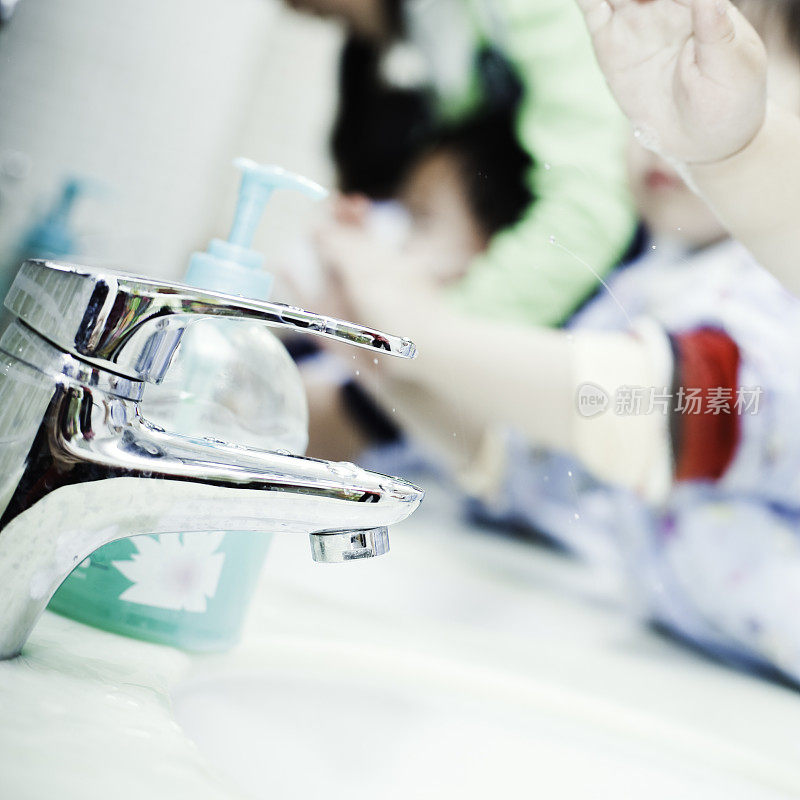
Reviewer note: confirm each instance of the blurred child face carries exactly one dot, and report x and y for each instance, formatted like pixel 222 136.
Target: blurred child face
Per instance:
pixel 444 229
pixel 667 206
pixel 665 203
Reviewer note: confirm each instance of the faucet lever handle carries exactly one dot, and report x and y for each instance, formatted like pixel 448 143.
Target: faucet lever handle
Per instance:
pixel 132 325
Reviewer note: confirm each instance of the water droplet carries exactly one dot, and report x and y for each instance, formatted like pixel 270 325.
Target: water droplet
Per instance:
pixel 552 240
pixel 393 410
pixel 343 469
pixel 547 166
pixel 374 360
pixel 358 372
pixel 646 136
pixel 576 516
pixel 569 472
pixel 454 434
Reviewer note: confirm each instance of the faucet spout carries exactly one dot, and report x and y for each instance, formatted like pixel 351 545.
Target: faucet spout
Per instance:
pixel 90 483
pixel 80 466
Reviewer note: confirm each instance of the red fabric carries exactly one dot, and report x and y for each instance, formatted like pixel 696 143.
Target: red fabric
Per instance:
pixel 707 359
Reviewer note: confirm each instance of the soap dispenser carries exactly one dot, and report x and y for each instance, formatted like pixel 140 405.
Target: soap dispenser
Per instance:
pixel 51 235
pixel 229 380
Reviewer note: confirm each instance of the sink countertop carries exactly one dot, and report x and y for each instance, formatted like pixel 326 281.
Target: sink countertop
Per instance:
pixel 87 713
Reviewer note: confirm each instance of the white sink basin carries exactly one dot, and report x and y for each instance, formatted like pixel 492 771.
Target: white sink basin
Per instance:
pixel 337 721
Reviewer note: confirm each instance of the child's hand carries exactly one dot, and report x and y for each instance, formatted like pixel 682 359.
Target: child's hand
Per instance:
pixel 372 283
pixel 690 74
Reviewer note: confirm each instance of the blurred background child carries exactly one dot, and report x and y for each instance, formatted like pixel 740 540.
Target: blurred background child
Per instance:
pixel 468 183
pixel 528 67
pixel 683 461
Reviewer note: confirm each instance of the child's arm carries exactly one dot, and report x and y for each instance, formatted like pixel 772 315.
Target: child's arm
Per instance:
pixel 691 76
pixel 756 195
pixel 474 379
pixel 473 376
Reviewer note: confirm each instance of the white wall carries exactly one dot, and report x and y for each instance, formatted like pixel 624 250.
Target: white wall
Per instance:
pixel 155 98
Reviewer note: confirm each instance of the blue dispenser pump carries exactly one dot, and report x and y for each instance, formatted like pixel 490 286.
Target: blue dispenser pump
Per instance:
pixel 52 235
pixel 233 266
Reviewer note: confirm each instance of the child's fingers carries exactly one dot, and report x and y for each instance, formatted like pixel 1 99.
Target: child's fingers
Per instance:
pixel 726 47
pixel 340 249
pixel 713 25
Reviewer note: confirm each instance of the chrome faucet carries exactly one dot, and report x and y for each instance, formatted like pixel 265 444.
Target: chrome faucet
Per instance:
pixel 81 466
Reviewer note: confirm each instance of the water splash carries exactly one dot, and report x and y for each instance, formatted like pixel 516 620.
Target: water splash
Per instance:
pixel 596 274
pixel 647 137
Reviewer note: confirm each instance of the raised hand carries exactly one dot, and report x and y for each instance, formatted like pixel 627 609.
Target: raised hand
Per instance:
pixel 689 74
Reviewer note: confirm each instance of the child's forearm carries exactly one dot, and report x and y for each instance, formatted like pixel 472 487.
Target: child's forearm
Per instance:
pixel 528 381
pixel 756 194
pixel 488 373
pixel 472 377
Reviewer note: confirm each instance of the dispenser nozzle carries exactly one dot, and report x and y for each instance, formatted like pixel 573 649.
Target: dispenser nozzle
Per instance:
pixel 232 266
pixel 258 183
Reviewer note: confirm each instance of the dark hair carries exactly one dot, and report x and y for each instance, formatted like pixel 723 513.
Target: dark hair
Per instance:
pixel 791 20
pixel 381 131
pixel 494 168
pixel 766 13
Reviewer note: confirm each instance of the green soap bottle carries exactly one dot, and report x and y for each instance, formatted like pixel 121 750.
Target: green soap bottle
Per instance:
pixel 229 380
